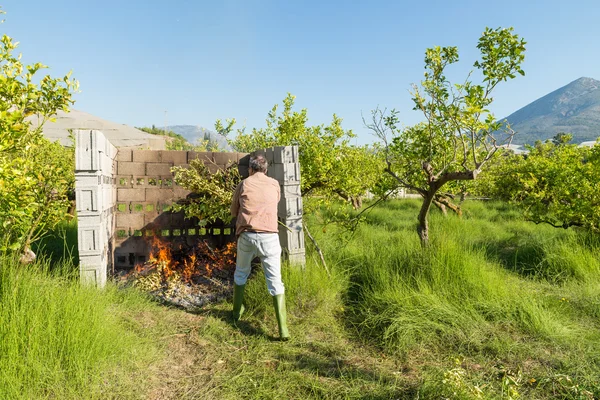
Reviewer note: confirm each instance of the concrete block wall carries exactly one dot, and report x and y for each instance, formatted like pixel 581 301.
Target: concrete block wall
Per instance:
pixel 284 166
pixel 95 198
pixel 145 190
pixel 123 199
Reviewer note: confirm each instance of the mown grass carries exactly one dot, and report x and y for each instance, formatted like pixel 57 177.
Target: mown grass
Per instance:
pixel 495 308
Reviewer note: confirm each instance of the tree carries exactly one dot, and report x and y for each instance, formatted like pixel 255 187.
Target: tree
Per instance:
pixel 329 165
pixel 458 136
pixel 35 175
pixel 212 193
pixel 556 184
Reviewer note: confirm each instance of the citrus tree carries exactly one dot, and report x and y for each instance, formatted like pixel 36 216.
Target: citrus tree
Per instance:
pixel 556 183
pixel 35 175
pixel 330 166
pixel 459 133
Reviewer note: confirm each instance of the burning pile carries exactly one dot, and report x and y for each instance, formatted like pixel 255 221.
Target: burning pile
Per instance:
pixel 186 276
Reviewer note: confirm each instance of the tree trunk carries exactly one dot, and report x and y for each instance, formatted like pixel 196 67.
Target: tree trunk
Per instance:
pixel 441 206
pixel 423 227
pixel 356 202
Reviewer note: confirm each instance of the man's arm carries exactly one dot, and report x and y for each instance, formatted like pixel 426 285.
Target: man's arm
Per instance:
pixel 235 202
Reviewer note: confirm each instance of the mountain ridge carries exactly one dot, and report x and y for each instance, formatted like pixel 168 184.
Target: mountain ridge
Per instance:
pixel 573 108
pixel 194 133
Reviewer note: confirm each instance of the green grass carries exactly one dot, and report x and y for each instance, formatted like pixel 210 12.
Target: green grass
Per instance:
pixel 61 340
pixel 489 287
pixel 495 308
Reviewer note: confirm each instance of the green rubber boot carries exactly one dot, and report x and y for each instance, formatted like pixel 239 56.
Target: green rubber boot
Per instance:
pixel 238 300
pixel 280 313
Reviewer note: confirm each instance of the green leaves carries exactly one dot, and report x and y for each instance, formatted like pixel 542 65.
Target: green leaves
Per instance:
pixel 211 193
pixel 502 54
pixel 330 166
pixel 456 138
pixel 556 183
pixel 36 176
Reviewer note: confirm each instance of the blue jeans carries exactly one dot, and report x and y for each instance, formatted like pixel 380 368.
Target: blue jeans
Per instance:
pixel 266 246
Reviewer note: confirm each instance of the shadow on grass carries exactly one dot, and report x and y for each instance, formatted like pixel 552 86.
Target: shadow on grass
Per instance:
pixel 246 327
pixel 517 255
pixel 60 245
pixel 320 359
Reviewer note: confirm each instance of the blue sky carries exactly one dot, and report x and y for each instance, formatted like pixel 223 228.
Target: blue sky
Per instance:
pixel 203 60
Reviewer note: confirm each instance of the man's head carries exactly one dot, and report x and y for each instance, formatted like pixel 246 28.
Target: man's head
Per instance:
pixel 258 164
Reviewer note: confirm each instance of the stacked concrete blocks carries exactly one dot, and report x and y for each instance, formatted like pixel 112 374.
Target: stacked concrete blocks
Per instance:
pixel 146 189
pixel 95 198
pixel 123 199
pixel 284 166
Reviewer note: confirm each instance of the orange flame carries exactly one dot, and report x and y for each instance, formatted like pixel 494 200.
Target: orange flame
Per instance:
pixel 202 260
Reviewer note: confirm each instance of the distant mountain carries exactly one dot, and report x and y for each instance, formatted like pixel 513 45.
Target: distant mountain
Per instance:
pixel 194 133
pixel 574 108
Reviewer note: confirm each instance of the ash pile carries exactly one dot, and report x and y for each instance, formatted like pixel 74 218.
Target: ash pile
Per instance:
pixel 184 276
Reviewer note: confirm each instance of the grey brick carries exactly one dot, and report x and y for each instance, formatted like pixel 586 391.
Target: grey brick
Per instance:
pixel 158 169
pixel 133 221
pixel 126 195
pixel 158 194
pixel 175 157
pixel 285 154
pixel 147 156
pixel 204 156
pixel 131 168
pixel 124 155
pixel 224 158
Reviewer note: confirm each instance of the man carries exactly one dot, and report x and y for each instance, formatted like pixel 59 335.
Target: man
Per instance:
pixel 255 206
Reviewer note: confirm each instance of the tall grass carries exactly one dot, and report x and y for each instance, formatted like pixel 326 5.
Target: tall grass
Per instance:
pixel 483 278
pixel 61 340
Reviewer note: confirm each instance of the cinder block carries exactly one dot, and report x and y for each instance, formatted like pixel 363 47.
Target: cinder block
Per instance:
pixel 158 169
pixel 158 221
pixel 133 221
pixel 207 157
pixel 285 154
pixel 158 194
pixel 180 193
pixel 125 155
pixel 175 157
pixel 131 168
pixel 295 259
pixel 290 190
pixel 153 156
pixel 89 277
pixel 224 158
pixel 86 150
pixel 292 239
pixel 177 220
pixel 290 207
pixel 84 179
pixel 137 245
pixel 127 195
pixel 243 159
pixel 88 240
pixel 89 199
pixel 150 217
pixel 285 173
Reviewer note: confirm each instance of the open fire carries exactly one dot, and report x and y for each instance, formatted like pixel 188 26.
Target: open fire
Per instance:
pixel 186 276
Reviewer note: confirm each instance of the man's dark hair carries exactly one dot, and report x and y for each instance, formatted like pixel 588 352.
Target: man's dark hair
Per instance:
pixel 259 164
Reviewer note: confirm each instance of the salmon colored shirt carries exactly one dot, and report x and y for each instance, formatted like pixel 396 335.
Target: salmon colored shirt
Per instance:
pixel 255 204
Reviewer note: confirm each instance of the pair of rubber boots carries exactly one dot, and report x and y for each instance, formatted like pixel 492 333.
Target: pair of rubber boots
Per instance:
pixel 278 304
